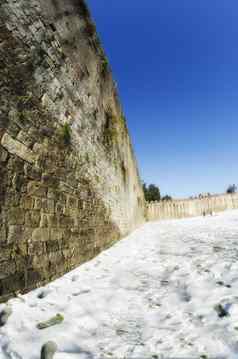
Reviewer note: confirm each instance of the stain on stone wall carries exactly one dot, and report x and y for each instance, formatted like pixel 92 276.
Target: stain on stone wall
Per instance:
pixel 69 183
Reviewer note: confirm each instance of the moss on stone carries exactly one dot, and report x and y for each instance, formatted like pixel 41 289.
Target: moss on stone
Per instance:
pixel 64 134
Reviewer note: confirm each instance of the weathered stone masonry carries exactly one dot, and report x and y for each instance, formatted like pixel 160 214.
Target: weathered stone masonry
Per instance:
pixel 62 200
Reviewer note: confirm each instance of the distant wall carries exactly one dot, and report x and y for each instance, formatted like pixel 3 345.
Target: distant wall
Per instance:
pixel 191 208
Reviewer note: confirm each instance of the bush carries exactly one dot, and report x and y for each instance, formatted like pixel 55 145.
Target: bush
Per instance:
pixel 83 9
pixel 231 189
pixel 90 29
pixel 104 65
pixel 167 198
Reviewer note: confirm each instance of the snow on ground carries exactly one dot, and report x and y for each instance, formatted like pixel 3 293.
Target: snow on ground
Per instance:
pixel 153 294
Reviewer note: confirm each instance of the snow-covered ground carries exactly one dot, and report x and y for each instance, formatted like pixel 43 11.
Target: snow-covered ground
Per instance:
pixel 153 294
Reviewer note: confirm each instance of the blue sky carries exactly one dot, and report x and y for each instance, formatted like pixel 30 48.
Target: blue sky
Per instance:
pixel 176 65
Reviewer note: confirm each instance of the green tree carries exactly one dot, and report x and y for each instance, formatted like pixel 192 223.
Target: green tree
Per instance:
pixel 167 198
pixel 231 189
pixel 151 192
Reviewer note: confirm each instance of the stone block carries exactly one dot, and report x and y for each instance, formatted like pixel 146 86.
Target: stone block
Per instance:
pixel 12 283
pixel 49 220
pixel 16 216
pixel 24 138
pixel 2 131
pixel 22 247
pixel 17 148
pixel 27 202
pixel 51 193
pixel 35 188
pixel 36 247
pixel 32 219
pixel 38 262
pixel 3 233
pixel 14 233
pixel 44 221
pixel 72 202
pixel 52 246
pixel 3 155
pixel 66 188
pixel 32 277
pixel 7 268
pixel 56 234
pixel 37 203
pixel 60 208
pixel 6 251
pixel 41 235
pixel 49 179
pixel 56 257
pixel 65 221
pixel 48 205
pixel 32 172
pixel 68 253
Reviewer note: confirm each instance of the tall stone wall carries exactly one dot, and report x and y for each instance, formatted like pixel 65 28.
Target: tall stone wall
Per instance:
pixel 191 208
pixel 69 184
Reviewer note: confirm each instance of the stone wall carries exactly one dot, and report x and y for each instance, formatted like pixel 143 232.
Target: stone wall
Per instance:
pixel 69 184
pixel 191 208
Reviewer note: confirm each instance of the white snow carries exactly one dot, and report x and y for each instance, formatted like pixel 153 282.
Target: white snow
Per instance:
pixel 152 294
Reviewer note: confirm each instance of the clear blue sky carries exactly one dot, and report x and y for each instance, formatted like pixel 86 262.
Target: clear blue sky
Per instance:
pixel 176 65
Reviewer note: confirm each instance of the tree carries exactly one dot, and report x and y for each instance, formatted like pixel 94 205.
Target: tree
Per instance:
pixel 167 198
pixel 152 193
pixel 231 189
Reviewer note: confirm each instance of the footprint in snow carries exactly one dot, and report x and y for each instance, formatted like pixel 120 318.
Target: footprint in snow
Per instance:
pixel 96 264
pixel 222 284
pixel 184 295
